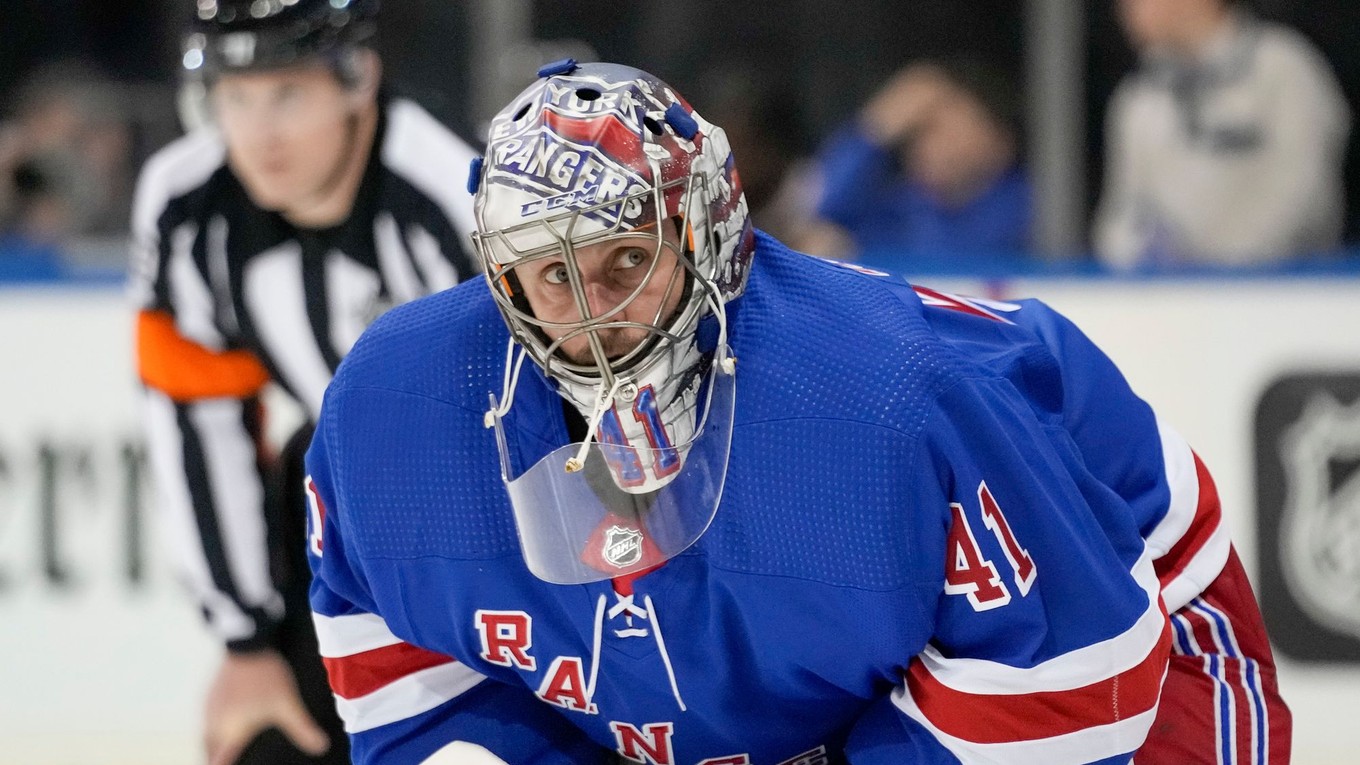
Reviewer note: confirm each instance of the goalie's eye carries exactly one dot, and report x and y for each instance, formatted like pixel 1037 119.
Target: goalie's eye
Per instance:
pixel 631 258
pixel 556 274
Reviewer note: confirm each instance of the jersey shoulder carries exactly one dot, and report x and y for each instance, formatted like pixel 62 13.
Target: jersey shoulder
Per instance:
pixel 403 423
pixel 430 157
pixel 884 348
pixel 836 341
pixel 177 169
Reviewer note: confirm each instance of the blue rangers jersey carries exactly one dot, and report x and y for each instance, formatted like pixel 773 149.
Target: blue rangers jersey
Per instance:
pixel 949 532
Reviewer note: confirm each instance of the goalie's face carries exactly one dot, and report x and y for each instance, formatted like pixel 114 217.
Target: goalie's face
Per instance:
pixel 602 300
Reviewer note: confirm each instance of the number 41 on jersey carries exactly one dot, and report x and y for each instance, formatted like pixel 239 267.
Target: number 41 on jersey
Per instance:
pixel 967 572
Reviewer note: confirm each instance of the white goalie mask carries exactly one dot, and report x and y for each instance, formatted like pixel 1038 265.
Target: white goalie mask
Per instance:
pixel 610 222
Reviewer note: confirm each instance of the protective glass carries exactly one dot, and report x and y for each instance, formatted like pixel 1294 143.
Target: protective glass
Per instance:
pixel 579 523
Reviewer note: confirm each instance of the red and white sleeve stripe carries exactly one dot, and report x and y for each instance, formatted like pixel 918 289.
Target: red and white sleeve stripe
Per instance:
pixel 379 679
pixel 1190 544
pixel 1089 704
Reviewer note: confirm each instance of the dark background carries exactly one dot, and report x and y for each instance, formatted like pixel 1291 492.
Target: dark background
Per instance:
pixel 798 67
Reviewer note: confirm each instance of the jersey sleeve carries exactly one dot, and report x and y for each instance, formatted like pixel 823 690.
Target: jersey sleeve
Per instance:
pixel 203 421
pixel 1050 641
pixel 399 702
pixel 1128 447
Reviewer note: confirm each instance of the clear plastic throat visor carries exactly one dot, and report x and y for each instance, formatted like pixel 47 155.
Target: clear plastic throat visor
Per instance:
pixel 580 526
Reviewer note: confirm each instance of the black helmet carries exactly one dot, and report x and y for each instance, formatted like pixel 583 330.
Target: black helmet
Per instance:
pixel 233 35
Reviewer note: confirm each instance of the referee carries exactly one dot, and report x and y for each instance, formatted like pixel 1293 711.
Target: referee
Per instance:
pixel 263 244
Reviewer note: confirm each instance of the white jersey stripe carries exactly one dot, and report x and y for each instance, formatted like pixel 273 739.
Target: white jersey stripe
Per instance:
pixel 1225 702
pixel 426 154
pixel 1260 735
pixel 1253 711
pixel 409 696
pixel 439 272
pixel 1183 480
pixel 1202 570
pixel 1226 638
pixel 339 636
pixel 396 266
pixel 176 169
pixel 1075 669
pixel 167 461
pixel 236 491
pixel 273 287
pixel 1195 648
pixel 192 298
pixel 1224 715
pixel 1185 635
pixel 1086 745
pixel 1219 627
pixel 180 167
pixel 352 294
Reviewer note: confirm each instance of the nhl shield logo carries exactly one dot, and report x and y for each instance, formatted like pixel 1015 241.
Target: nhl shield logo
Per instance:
pixel 1320 523
pixel 622 546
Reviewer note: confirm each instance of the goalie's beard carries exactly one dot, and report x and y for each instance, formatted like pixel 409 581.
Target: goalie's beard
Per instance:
pixel 617 342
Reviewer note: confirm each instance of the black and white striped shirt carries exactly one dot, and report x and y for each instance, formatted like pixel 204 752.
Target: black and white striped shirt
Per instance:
pixel 232 295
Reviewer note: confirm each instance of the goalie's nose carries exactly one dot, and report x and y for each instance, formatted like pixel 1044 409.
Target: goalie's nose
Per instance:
pixel 602 298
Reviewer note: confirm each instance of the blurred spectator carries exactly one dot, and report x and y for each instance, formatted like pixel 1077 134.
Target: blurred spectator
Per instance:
pixel 65 160
pixel 1225 146
pixel 929 171
pixel 34 207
